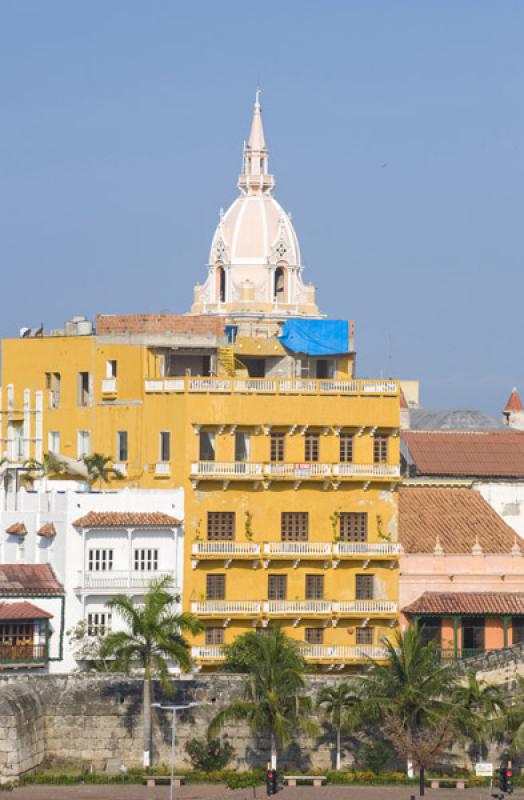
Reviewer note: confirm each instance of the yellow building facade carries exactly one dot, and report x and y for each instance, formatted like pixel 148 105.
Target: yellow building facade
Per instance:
pixel 289 463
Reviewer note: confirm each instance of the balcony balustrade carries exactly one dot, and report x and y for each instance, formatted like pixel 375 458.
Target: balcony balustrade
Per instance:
pixel 298 549
pixel 296 471
pixel 367 607
pixel 109 386
pixel 287 608
pixel 120 579
pixel 12 653
pixel 360 549
pixel 162 469
pixel 226 608
pixel 343 653
pixel 312 386
pixel 225 549
pixel 315 653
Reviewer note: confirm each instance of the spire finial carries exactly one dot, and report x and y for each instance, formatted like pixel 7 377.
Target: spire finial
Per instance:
pixel 257 99
pixel 255 177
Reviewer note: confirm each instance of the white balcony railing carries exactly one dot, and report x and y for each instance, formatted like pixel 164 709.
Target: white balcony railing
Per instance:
pixel 226 385
pixel 208 653
pixel 294 549
pixel 228 608
pixel 366 549
pixel 365 607
pixel 162 468
pixel 120 579
pixel 225 549
pixel 343 652
pixel 367 470
pixel 227 469
pixel 109 386
pixel 121 468
pixel 294 607
pixel 280 469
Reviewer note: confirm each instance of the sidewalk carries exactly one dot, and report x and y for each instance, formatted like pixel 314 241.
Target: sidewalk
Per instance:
pixel 217 792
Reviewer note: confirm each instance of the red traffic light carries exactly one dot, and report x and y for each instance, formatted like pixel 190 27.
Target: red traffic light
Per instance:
pixel 269 774
pixel 509 773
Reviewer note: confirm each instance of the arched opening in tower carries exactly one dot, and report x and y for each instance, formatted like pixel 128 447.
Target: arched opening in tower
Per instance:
pixel 279 293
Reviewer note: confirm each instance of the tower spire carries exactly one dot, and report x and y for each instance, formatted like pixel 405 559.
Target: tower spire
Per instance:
pixel 255 178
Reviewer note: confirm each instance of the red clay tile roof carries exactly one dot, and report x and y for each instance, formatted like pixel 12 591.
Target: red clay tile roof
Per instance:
pixel 458 517
pixel 497 454
pixel 22 610
pixel 47 530
pixel 467 603
pixel 27 579
pixel 514 402
pixel 126 519
pixel 17 529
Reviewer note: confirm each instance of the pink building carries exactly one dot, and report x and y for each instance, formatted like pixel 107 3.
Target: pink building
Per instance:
pixel 461 570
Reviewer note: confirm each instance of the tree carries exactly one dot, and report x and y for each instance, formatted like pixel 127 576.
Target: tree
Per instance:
pixel 481 703
pixel 340 703
pixel 100 469
pixel 509 724
pixel 410 697
pixel 50 467
pixel 273 700
pixel 154 637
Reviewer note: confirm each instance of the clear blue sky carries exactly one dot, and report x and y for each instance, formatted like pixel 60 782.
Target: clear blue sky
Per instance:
pixel 121 133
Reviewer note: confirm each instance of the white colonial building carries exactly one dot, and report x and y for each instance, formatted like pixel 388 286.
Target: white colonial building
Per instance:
pixel 96 544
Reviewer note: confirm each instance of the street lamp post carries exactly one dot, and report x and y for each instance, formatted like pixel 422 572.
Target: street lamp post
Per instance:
pixel 173 710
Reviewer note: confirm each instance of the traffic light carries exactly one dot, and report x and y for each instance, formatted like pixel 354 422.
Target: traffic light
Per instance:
pixel 271 781
pixel 505 780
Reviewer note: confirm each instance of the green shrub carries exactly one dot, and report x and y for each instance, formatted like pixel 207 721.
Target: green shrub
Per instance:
pixel 241 780
pixel 374 757
pixel 209 754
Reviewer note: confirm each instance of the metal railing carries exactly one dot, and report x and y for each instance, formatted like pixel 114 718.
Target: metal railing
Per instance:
pixel 227 385
pixel 366 549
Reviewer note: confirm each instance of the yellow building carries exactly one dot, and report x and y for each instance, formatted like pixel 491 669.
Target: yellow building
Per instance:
pixel 289 463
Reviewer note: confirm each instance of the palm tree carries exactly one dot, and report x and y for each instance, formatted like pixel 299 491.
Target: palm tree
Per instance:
pixel 100 469
pixel 49 467
pixel 272 702
pixel 481 703
pixel 339 702
pixel 154 637
pixel 410 696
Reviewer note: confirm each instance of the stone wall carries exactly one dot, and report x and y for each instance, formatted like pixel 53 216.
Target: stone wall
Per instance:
pixel 22 731
pixel 92 719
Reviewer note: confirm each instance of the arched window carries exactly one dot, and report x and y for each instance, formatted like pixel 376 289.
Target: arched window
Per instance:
pixel 221 284
pixel 279 292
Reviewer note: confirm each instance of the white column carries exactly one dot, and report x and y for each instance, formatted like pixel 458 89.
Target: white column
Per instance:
pixel 39 405
pixel 27 425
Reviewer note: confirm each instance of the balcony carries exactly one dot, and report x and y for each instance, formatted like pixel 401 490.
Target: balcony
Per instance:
pixel 343 654
pixel 225 550
pixel 226 608
pixel 300 608
pixel 109 386
pixel 329 654
pixel 227 470
pixel 292 386
pixel 366 549
pixel 121 467
pixel 13 654
pixel 163 469
pixel 298 550
pixel 246 470
pixel 111 579
pixel 376 608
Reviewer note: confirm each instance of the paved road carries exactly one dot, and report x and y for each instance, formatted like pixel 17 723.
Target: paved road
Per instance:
pixel 214 792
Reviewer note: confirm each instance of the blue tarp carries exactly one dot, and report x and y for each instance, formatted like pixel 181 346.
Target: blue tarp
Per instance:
pixel 316 337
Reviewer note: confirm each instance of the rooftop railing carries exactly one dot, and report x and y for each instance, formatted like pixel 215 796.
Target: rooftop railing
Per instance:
pixel 313 386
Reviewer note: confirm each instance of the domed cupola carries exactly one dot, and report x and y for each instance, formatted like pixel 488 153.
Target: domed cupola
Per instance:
pixel 254 261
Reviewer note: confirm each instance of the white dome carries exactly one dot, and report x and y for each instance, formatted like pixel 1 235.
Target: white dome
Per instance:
pixel 255 230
